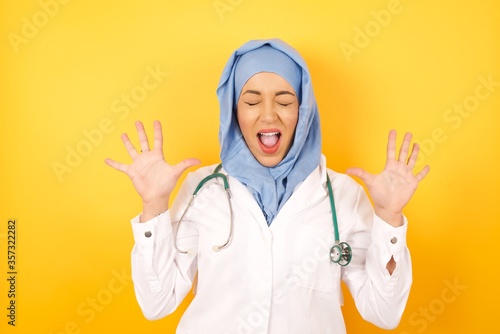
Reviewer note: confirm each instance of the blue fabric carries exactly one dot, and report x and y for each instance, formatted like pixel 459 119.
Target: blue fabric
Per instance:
pixel 271 186
pixel 277 62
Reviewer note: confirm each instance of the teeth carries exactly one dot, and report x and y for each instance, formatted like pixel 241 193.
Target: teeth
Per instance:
pixel 269 139
pixel 269 133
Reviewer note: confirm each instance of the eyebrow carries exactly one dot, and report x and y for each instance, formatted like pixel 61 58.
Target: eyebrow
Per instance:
pixel 282 92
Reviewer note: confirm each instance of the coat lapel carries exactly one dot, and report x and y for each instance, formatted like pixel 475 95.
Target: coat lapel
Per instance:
pixel 309 192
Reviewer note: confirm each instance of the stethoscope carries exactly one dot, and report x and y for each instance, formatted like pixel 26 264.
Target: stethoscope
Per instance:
pixel 340 252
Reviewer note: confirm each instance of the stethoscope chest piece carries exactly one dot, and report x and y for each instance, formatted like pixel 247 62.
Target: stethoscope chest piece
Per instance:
pixel 341 253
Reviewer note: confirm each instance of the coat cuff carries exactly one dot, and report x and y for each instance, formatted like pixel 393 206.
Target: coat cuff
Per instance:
pixel 390 240
pixel 146 235
pixel 156 228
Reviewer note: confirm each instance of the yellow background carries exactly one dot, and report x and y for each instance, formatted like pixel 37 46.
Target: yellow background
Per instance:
pixel 372 71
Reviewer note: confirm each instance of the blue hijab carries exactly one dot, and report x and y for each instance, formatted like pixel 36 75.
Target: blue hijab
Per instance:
pixel 271 186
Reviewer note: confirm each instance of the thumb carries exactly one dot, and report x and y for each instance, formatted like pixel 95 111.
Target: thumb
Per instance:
pixel 359 172
pixel 187 163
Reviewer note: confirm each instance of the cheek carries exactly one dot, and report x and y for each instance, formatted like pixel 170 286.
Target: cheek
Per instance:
pixel 292 121
pixel 243 122
pixel 246 115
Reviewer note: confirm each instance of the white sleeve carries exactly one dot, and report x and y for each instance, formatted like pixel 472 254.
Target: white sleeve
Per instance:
pixel 162 276
pixel 380 297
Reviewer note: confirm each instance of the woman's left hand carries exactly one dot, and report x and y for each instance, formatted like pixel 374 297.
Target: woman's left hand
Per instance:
pixel 393 188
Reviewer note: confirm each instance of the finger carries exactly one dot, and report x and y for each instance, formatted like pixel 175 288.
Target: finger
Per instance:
pixel 391 146
pixel 413 156
pixel 420 176
pixel 116 165
pixel 158 141
pixel 361 173
pixel 403 152
pixel 143 138
pixel 185 164
pixel 130 148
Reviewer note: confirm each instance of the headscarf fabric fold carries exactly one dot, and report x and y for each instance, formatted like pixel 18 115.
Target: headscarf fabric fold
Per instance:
pixel 270 186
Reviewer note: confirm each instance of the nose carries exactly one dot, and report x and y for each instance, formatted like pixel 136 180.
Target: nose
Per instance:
pixel 268 114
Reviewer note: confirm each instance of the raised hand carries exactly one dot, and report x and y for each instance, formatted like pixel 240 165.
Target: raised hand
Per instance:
pixel 153 178
pixel 393 188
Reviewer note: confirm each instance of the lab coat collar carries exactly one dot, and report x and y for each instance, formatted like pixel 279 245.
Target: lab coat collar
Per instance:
pixel 308 192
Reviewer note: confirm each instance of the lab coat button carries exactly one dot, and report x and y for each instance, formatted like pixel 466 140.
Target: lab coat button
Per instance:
pixel 148 234
pixel 394 240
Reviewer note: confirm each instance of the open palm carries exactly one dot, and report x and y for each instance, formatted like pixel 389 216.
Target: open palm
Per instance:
pixel 393 188
pixel 153 178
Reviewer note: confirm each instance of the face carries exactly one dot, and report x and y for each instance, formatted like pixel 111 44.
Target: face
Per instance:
pixel 268 111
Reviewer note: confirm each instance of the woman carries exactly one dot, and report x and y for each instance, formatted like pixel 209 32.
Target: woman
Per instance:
pixel 262 260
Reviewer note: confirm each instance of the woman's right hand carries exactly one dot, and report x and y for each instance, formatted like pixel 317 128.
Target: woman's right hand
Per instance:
pixel 153 178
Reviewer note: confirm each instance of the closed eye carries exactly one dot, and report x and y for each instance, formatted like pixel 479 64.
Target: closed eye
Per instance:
pixel 252 104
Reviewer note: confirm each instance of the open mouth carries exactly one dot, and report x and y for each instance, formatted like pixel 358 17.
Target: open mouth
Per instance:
pixel 269 141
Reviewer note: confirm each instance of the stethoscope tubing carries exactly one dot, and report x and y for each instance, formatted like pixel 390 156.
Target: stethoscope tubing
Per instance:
pixel 215 174
pixel 340 252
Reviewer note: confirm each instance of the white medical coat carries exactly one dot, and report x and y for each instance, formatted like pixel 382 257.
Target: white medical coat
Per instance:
pixel 270 279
